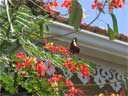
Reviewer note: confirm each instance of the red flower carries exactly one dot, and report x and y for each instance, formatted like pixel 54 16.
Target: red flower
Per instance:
pixel 56 49
pixel 69 64
pixel 72 89
pixel 63 50
pixel 41 69
pixel 93 6
pixel 97 4
pixel 20 55
pixel 84 70
pixel 26 61
pixel 116 4
pixel 67 4
pixel 19 66
pixel 69 83
pixel 55 78
pixel 50 5
pixel 53 4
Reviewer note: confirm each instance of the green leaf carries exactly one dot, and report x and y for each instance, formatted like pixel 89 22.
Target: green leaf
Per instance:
pixel 75 15
pixel 22 23
pixel 41 28
pixel 115 26
pixel 110 33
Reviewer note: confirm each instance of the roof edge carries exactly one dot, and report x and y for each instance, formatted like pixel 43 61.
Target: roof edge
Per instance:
pixel 93 29
pixel 93 41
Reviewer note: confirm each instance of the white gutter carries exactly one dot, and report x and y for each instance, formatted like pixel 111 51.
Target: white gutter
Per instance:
pixel 100 46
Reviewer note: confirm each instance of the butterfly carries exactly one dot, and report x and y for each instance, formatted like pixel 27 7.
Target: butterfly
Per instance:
pixel 74 48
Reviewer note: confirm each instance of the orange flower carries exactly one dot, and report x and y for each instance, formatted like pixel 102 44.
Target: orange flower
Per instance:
pixel 19 66
pixel 29 61
pixel 26 61
pixel 56 49
pixel 116 4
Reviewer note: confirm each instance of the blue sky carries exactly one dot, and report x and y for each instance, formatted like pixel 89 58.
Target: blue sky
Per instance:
pixel 121 14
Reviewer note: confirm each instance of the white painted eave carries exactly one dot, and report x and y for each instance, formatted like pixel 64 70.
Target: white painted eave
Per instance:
pixel 99 46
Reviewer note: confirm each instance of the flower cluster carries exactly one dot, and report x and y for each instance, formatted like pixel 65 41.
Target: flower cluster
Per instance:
pixel 26 61
pixel 69 64
pixel 54 4
pixel 57 49
pixel 82 68
pixel 53 81
pixel 51 5
pixel 97 4
pixel 67 4
pixel 55 78
pixel 72 90
pixel 41 70
pixel 116 4
pixel 112 4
